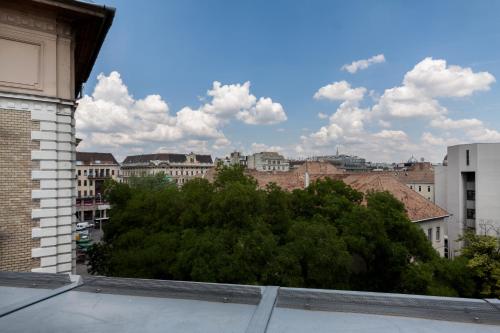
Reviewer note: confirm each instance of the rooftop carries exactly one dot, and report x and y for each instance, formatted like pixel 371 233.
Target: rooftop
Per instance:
pixel 165 157
pixel 95 158
pixel 51 302
pixel 417 207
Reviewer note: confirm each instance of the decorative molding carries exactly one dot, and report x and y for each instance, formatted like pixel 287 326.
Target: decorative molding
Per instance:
pixel 15 18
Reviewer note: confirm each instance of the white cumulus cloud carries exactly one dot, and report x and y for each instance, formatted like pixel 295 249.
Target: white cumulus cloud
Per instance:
pixel 369 131
pixel 112 118
pixel 363 63
pixel 340 91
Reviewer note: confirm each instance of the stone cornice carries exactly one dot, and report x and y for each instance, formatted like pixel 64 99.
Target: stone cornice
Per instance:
pixel 16 18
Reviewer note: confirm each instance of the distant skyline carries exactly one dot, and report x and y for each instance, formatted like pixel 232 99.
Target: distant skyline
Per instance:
pixel 383 80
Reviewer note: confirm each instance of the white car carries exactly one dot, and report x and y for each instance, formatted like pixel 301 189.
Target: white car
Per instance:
pixel 82 226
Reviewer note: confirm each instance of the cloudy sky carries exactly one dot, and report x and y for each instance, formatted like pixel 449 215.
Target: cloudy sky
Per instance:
pixel 381 79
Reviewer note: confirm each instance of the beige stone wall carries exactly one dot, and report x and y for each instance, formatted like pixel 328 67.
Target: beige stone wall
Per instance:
pixel 15 197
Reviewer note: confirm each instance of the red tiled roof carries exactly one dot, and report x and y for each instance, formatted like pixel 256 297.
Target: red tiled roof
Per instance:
pixel 417 207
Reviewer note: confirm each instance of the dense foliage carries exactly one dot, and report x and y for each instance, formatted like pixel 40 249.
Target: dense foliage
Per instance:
pixel 231 231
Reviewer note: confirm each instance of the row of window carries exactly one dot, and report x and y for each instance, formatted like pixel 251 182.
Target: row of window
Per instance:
pixel 274 168
pixel 90 193
pixel 171 172
pixel 91 183
pixel 97 172
pixel 420 188
pixel 273 162
pixel 438 234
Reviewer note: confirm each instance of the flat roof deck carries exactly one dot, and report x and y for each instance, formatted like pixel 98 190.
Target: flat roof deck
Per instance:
pixel 60 303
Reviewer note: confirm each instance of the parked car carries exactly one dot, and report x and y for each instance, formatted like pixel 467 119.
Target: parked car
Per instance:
pixel 82 226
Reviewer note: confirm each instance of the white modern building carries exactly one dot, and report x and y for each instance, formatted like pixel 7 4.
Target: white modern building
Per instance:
pixel 467 185
pixel 268 161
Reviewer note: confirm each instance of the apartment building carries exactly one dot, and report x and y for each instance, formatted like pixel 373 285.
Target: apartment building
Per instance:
pixel 349 163
pixel 179 168
pixel 468 186
pixel 418 176
pixel 235 158
pixel 92 170
pixel 47 51
pixel 268 161
pixel 432 219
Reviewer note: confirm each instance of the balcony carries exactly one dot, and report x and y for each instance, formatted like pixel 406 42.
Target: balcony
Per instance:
pixel 90 201
pixel 98 176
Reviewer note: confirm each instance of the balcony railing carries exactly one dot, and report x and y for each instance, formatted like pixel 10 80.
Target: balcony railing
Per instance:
pixel 98 176
pixel 90 202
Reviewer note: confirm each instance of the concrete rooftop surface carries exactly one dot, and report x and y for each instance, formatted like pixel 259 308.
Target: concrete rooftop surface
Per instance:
pixel 62 303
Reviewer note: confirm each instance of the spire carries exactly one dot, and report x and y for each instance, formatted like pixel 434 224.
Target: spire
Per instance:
pixel 337 151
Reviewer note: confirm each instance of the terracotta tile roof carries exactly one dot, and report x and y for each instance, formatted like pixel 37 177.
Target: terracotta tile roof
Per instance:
pixel 417 207
pixel 295 178
pixel 420 173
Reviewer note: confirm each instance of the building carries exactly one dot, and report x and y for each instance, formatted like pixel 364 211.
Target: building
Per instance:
pixel 432 219
pixel 92 170
pixel 418 177
pixel 268 161
pixel 47 51
pixel 235 158
pixel 349 163
pixel 179 168
pixel 468 186
pixel 54 303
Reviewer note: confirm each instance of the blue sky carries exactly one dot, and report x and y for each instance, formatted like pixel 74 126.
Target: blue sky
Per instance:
pixel 288 50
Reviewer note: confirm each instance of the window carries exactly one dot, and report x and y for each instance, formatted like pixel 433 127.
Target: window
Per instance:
pixel 471 195
pixel 471 213
pixel 112 172
pixel 91 193
pixel 420 188
pixel 438 233
pixel 79 183
pixel 411 187
pixel 470 176
pixel 84 172
pixel 107 172
pixel 91 183
pixel 446 252
pixel 84 183
pixel 79 194
pixel 429 234
pixel 467 156
pixel 84 193
pixel 428 188
pixel 79 172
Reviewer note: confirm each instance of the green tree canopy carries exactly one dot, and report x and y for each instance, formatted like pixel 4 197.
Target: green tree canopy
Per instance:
pixel 325 236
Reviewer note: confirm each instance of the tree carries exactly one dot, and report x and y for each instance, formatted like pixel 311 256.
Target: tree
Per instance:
pixel 483 254
pixel 325 236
